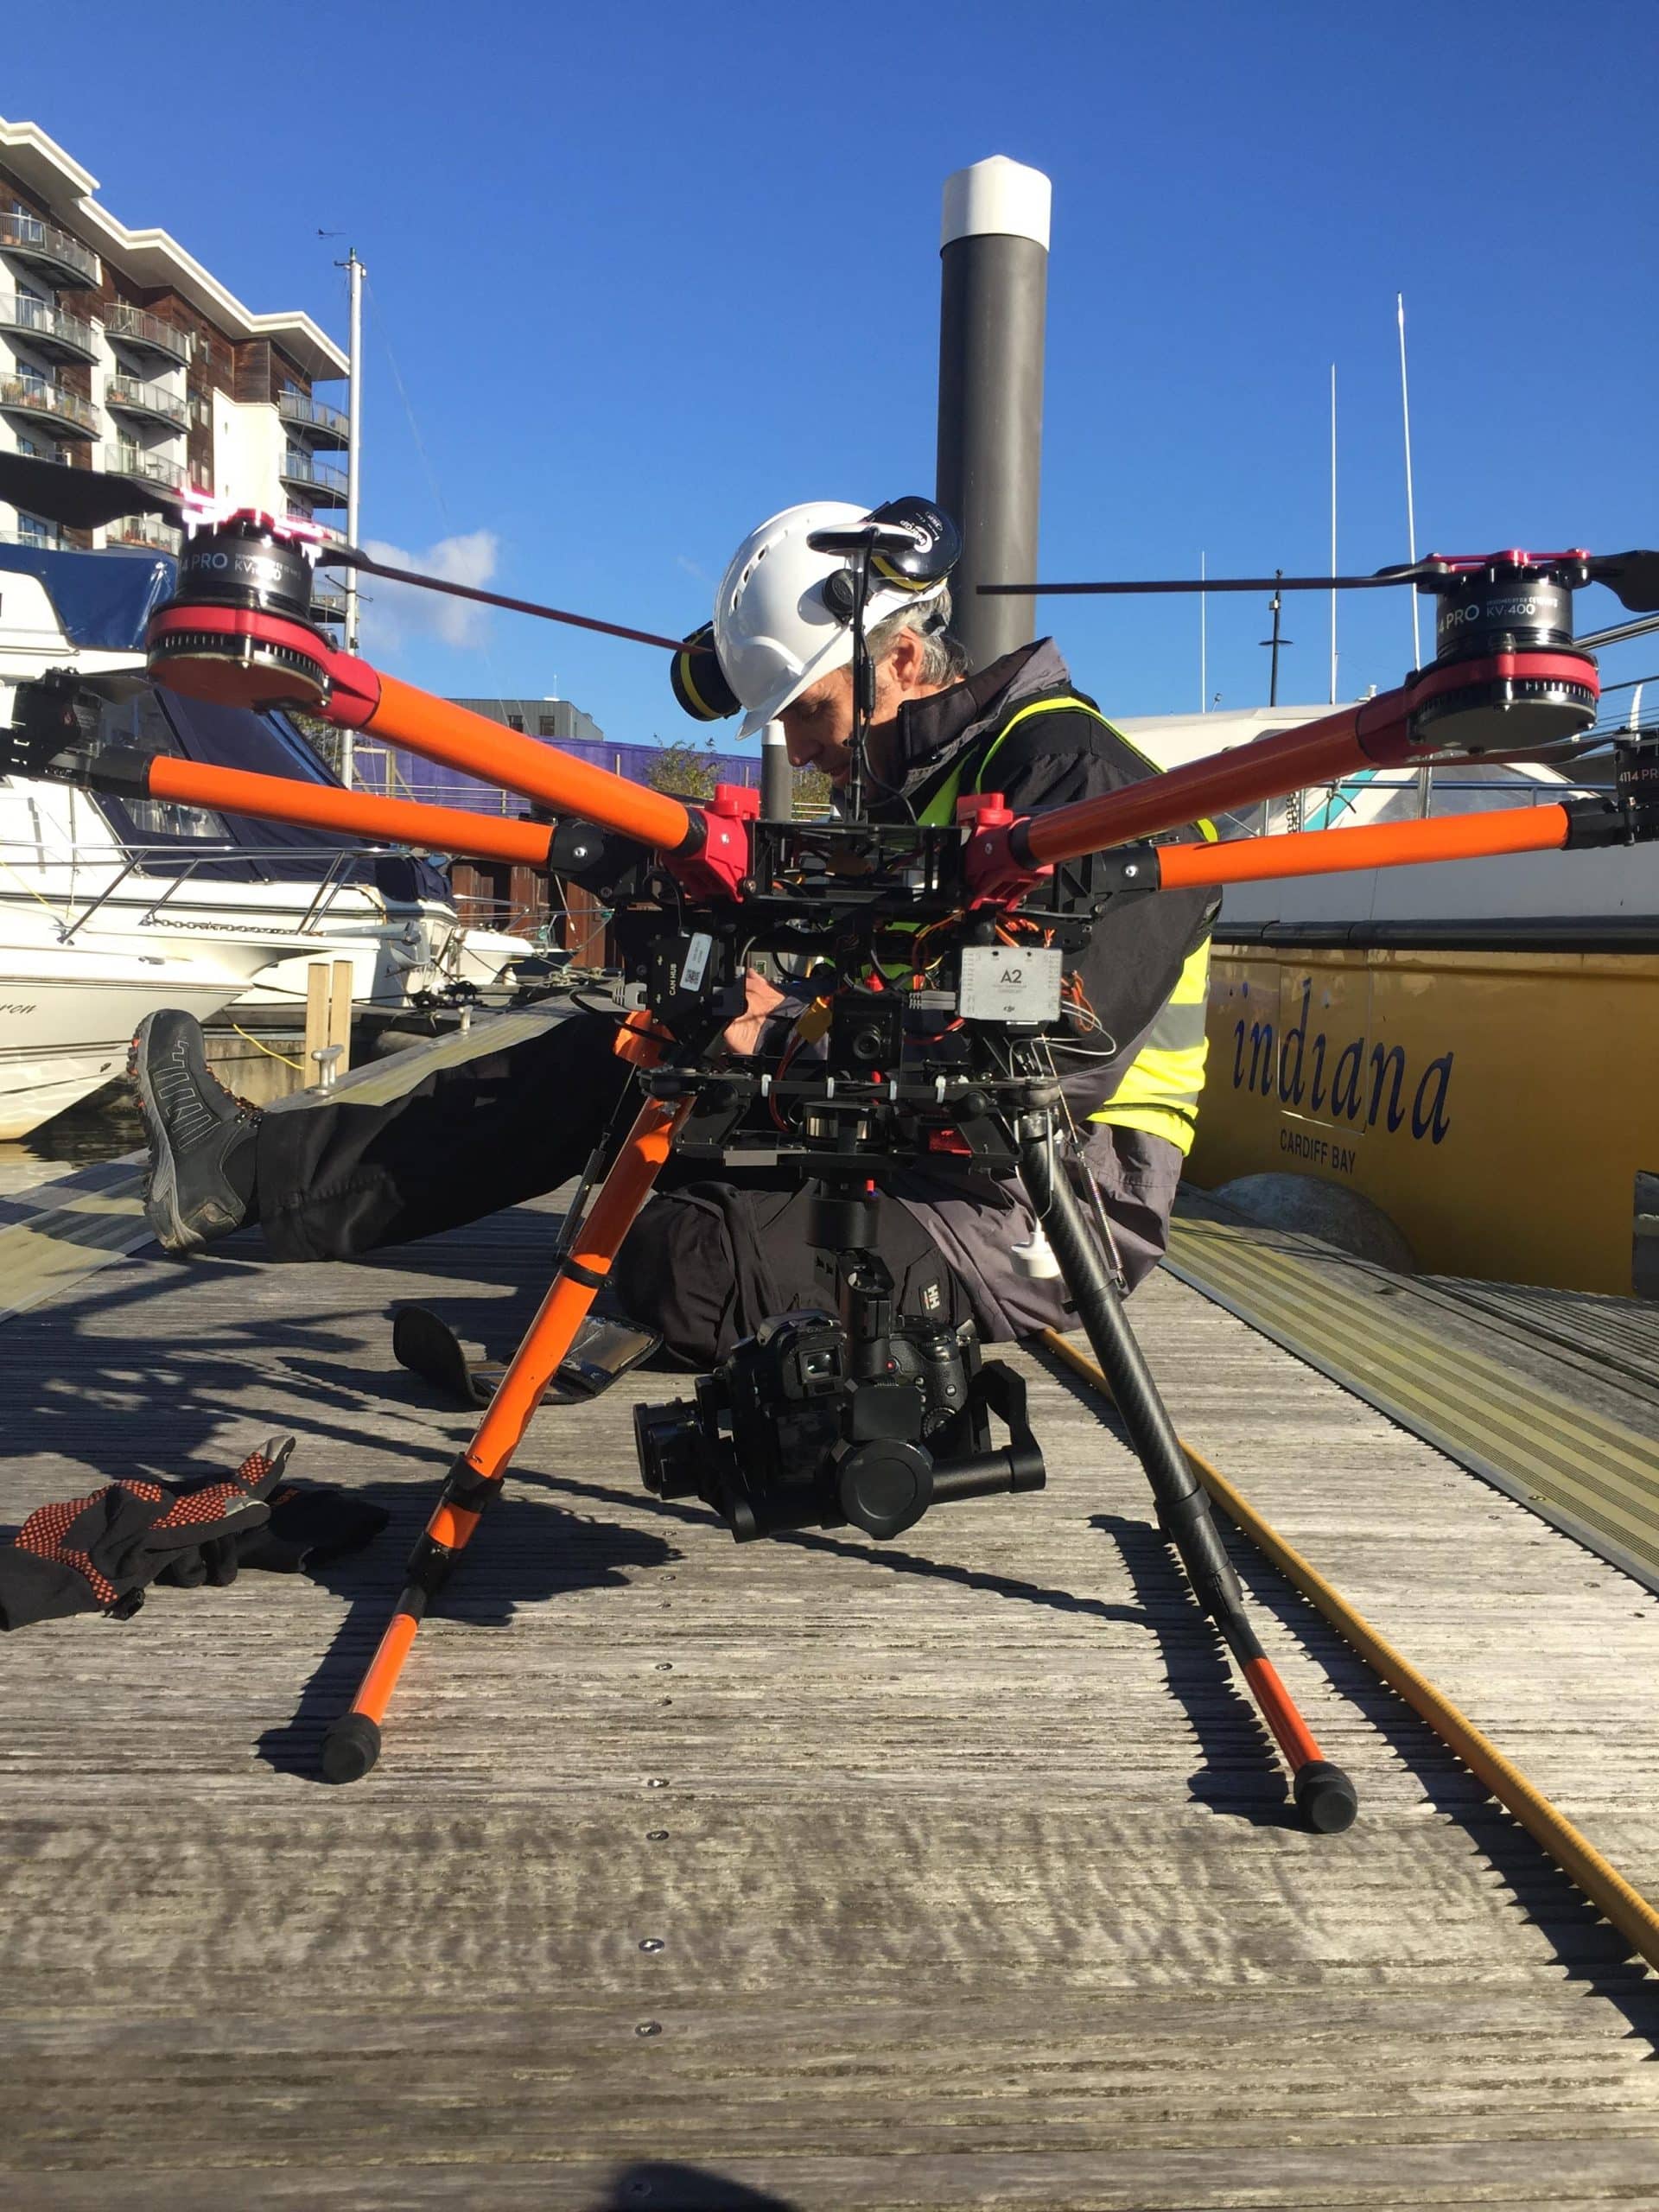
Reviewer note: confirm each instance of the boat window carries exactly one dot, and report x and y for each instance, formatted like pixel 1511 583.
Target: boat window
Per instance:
pixel 232 737
pixel 138 725
pixel 143 720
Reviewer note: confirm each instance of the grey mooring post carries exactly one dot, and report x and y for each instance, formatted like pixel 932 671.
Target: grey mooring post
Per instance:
pixel 994 299
pixel 777 776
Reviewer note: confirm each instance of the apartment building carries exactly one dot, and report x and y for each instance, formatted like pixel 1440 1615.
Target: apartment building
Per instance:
pixel 120 352
pixel 559 719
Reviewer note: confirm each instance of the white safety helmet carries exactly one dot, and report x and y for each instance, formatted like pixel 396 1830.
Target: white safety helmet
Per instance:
pixel 775 630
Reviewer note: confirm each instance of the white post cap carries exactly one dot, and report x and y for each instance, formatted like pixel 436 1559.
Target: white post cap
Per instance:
pixel 998 197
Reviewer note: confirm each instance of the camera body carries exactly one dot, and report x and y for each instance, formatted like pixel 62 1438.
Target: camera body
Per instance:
pixel 788 1433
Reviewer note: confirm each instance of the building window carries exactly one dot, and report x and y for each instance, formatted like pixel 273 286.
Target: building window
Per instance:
pixel 515 721
pixel 547 727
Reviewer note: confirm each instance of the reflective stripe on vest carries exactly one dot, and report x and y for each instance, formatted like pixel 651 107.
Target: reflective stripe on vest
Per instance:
pixel 1161 1087
pixel 941 809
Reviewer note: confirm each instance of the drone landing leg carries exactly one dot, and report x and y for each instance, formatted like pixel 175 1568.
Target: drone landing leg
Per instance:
pixel 474 1483
pixel 1323 1794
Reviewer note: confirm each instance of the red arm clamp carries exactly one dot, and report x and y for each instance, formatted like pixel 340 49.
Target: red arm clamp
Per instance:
pixel 720 867
pixel 998 873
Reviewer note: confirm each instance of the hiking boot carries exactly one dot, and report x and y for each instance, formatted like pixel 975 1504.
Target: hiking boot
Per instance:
pixel 201 1139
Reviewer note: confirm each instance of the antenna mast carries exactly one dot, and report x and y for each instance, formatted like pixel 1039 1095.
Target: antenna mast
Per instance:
pixel 1275 642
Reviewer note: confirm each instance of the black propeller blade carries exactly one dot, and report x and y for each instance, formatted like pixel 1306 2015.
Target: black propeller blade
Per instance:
pixel 79 499
pixel 1631 577
pixel 1405 574
pixel 352 556
pixel 86 498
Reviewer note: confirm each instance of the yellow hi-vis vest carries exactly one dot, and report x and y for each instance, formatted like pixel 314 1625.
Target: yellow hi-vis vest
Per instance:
pixel 1160 1088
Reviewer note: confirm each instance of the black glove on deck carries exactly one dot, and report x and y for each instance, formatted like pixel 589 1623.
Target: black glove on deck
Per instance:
pixel 310 1523
pixel 96 1554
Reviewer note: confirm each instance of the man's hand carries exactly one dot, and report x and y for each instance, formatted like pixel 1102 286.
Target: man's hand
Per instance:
pixel 761 1000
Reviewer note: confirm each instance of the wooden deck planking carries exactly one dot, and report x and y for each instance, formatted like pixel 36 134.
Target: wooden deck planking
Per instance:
pixel 977 1887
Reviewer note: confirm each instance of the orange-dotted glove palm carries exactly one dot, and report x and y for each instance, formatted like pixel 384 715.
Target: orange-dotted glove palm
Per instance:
pixel 98 1553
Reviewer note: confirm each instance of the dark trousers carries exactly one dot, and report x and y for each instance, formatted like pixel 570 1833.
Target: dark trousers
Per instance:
pixel 705 1263
pixel 334 1180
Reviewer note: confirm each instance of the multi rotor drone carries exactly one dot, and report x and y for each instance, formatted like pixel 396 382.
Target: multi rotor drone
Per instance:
pixel 861 1416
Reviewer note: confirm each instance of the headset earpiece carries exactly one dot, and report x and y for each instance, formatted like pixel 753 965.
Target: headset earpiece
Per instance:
pixel 938 548
pixel 838 594
pixel 925 562
pixel 699 680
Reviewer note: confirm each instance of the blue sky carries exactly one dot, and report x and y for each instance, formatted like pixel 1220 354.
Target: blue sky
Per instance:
pixel 650 273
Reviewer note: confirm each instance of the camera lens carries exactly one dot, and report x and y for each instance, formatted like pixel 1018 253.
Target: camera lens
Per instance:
pixel 665 1440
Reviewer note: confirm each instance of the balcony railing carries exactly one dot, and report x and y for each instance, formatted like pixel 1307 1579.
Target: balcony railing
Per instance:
pixel 153 401
pixel 47 326
pixel 131 325
pixel 31 240
pixel 329 599
pixel 315 477
pixel 149 467
pixel 52 403
pixel 311 415
pixel 148 530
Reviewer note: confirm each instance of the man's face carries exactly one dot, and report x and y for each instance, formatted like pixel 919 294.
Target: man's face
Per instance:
pixel 818 725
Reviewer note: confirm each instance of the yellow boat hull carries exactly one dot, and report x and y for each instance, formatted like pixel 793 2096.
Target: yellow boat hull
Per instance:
pixel 1502 1107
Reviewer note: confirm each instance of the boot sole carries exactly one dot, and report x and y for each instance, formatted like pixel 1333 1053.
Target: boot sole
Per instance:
pixel 160 1184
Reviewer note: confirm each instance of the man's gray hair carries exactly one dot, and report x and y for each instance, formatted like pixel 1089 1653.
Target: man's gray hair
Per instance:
pixel 944 658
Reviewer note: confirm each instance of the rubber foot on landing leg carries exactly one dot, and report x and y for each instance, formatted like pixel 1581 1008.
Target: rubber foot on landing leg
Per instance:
pixel 350 1748
pixel 1326 1798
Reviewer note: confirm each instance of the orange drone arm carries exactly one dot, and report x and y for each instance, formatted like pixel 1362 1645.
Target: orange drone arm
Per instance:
pixel 1389 844
pixel 1292 759
pixel 250 656
pixel 321 806
pixel 440 731
pixel 1374 733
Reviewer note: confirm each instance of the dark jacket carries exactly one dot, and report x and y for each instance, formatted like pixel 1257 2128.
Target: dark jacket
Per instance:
pixel 1137 950
pixel 1131 964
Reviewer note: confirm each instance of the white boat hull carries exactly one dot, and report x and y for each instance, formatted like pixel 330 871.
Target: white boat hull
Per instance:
pixel 64 1035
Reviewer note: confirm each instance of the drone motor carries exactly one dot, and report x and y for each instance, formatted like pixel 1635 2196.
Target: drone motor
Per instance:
pixel 237 630
pixel 1506 676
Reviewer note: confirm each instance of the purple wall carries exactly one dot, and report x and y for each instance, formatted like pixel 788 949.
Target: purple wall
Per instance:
pixel 427 779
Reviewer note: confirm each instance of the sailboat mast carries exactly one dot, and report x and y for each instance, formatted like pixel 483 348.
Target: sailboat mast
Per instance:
pixel 1332 531
pixel 1425 774
pixel 353 475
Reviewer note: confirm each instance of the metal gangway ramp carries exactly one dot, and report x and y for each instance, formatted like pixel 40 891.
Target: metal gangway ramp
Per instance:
pixel 818 1873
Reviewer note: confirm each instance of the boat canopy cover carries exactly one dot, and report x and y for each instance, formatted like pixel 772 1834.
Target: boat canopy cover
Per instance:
pixel 102 600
